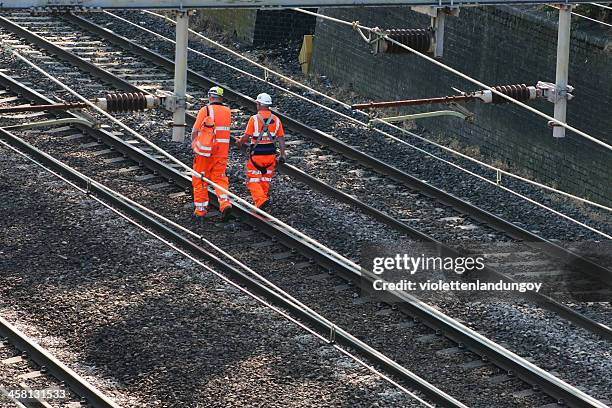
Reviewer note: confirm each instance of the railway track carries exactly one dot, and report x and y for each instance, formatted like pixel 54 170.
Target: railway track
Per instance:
pixel 129 347
pixel 30 376
pixel 449 352
pixel 133 75
pixel 174 175
pixel 426 210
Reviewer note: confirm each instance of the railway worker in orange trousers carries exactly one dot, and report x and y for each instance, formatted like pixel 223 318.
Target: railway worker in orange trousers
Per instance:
pixel 210 144
pixel 263 129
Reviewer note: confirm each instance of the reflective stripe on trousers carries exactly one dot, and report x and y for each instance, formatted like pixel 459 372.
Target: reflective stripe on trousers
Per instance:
pixel 214 170
pixel 199 153
pixel 258 183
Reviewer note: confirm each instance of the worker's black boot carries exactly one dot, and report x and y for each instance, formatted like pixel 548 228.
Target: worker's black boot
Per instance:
pixel 227 212
pixel 264 205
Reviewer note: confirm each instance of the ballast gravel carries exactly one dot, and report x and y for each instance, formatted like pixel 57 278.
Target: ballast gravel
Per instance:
pixel 298 215
pixel 144 324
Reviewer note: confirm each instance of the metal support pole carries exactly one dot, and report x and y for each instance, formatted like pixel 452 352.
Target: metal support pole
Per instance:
pixel 180 75
pixel 439 21
pixel 563 43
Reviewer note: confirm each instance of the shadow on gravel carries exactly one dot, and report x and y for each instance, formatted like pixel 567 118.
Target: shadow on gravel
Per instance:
pixel 135 312
pixel 46 250
pixel 198 350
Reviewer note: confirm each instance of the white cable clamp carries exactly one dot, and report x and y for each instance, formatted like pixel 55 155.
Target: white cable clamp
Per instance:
pixel 553 93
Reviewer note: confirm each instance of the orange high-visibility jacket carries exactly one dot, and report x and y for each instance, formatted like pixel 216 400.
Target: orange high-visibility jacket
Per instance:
pixel 267 139
pixel 222 117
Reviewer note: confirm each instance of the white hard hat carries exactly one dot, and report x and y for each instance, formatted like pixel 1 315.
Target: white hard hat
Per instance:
pixel 215 91
pixel 264 99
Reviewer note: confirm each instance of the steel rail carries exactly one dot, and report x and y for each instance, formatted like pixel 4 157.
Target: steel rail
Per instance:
pixel 120 146
pixel 56 368
pixel 578 263
pixel 340 336
pixel 406 303
pixel 546 302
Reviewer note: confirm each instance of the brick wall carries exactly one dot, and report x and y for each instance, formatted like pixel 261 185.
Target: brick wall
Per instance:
pixel 501 45
pixel 258 27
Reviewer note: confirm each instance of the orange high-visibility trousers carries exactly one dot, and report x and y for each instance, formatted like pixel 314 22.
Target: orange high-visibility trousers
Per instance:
pixel 214 170
pixel 258 183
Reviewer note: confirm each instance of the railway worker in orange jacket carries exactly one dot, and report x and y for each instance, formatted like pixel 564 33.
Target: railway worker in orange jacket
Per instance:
pixel 210 144
pixel 263 129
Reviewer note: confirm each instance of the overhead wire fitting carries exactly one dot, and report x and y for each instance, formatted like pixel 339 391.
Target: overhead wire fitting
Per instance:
pixel 520 92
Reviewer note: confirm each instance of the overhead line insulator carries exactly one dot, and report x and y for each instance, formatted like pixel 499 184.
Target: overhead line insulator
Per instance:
pixel 112 103
pixel 519 92
pixel 419 39
pixel 127 102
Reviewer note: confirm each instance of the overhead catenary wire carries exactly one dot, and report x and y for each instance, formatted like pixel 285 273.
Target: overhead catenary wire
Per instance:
pixel 247 292
pixel 356 25
pixel 592 19
pixel 601 5
pixel 459 167
pixel 583 16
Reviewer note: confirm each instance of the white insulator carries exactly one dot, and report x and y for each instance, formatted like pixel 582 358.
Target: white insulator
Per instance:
pixel 486 96
pixel 101 103
pixel 152 101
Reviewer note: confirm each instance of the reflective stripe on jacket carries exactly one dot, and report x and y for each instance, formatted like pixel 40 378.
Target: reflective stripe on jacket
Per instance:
pixel 202 143
pixel 222 117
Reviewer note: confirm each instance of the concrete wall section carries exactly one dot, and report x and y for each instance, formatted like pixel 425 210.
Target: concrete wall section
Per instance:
pixel 258 27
